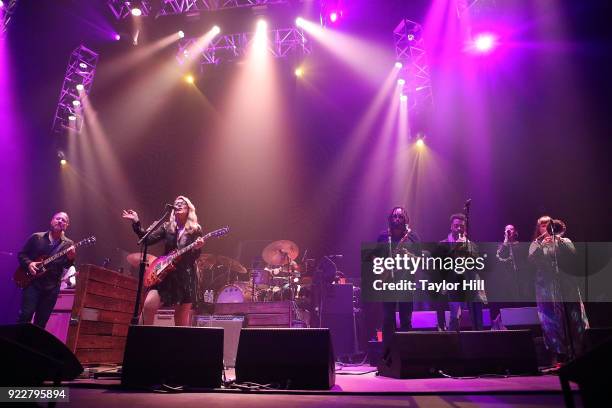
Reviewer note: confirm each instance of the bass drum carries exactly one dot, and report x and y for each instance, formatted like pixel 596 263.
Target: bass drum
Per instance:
pixel 237 292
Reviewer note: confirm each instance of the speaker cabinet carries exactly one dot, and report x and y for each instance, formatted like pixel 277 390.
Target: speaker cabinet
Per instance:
pixel 297 359
pixel 187 356
pixel 31 355
pixel 425 354
pixel 231 326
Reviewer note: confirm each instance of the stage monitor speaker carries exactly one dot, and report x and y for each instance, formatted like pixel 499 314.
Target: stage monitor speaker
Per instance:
pixel 427 354
pixel 231 326
pixel 32 355
pixel 187 356
pixel 591 372
pixel 297 359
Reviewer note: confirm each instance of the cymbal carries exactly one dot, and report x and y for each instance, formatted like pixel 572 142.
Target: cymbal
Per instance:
pixel 207 261
pixel 134 259
pixel 280 252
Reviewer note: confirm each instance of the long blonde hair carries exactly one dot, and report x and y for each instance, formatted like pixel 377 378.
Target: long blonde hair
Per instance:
pixel 191 225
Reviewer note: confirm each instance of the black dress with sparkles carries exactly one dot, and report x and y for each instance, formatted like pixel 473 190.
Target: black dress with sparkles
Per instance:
pixel 180 285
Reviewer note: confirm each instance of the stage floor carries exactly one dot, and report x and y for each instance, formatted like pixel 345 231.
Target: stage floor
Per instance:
pixel 355 386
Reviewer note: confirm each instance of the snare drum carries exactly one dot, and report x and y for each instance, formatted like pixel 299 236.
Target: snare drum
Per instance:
pixel 237 292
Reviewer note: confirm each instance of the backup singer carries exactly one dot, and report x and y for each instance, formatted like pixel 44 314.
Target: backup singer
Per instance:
pixel 461 246
pixel 563 322
pixel 398 230
pixel 39 297
pixel 178 289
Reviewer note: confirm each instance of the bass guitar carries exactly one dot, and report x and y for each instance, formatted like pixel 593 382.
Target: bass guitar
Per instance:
pixel 162 266
pixel 23 277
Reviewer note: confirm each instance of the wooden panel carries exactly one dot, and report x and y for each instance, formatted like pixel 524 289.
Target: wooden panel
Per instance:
pixel 120 329
pixel 105 316
pixel 268 319
pixel 112 278
pixel 100 356
pixel 105 303
pixel 110 291
pixel 88 341
pixel 93 327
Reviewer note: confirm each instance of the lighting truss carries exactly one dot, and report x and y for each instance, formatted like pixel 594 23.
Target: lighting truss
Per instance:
pixel 226 48
pixel 6 13
pixel 410 50
pixel 81 70
pixel 122 9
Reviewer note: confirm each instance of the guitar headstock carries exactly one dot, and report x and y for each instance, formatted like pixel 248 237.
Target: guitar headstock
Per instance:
pixel 88 241
pixel 217 233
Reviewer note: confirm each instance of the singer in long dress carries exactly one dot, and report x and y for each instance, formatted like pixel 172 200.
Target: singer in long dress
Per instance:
pixel 560 308
pixel 178 289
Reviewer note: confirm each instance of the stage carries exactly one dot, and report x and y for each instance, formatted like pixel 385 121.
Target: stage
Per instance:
pixel 355 386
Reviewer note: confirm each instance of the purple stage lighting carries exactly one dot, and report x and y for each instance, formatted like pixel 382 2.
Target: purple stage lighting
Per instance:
pixel 333 16
pixel 117 37
pixel 136 12
pixel 398 65
pixel 484 42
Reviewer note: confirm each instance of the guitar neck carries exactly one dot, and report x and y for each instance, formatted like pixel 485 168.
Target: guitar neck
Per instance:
pixel 192 245
pixel 61 253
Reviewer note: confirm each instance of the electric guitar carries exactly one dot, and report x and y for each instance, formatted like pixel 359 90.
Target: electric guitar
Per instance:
pixel 23 277
pixel 162 266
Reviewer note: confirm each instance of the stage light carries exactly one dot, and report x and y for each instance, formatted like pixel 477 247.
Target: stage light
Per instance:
pixel 215 30
pixel 1 4
pixel 299 72
pixel 80 87
pixel 398 65
pixel 333 16
pixel 117 37
pixel 62 157
pixel 299 22
pixel 83 65
pixel 76 102
pixel 72 118
pixel 136 12
pixel 420 143
pixel 484 42
pixel 262 25
pixel 404 98
pixel 189 79
pixel 401 82
pixel 181 34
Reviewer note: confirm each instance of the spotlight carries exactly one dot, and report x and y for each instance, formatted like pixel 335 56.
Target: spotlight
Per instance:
pixel 1 4
pixel 299 72
pixel 484 42
pixel 215 30
pixel 72 118
pixel 80 87
pixel 136 12
pixel 262 25
pixel 189 79
pixel 62 157
pixel 399 65
pixel 420 143
pixel 181 34
pixel 299 22
pixel 76 102
pixel 333 16
pixel 83 65
pixel 401 82
pixel 117 37
pixel 404 98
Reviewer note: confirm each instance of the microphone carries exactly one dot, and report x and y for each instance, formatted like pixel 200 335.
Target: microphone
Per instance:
pixel 171 206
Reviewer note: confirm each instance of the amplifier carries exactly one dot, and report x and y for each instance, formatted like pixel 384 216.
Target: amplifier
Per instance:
pixel 165 317
pixel 231 326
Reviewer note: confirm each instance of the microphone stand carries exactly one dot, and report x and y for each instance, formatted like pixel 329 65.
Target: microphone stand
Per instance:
pixel 143 241
pixel 568 330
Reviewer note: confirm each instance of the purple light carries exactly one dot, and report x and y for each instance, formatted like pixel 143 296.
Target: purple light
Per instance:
pixel 484 42
pixel 117 37
pixel 333 16
pixel 399 65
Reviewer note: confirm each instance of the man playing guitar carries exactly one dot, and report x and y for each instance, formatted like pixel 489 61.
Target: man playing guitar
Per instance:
pixel 40 295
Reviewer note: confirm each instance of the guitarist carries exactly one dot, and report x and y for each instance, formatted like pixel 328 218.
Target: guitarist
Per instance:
pixel 397 238
pixel 39 297
pixel 178 289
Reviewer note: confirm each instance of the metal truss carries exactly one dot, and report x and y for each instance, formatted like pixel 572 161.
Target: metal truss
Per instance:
pixel 226 48
pixel 410 51
pixel 81 70
pixel 6 12
pixel 122 9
